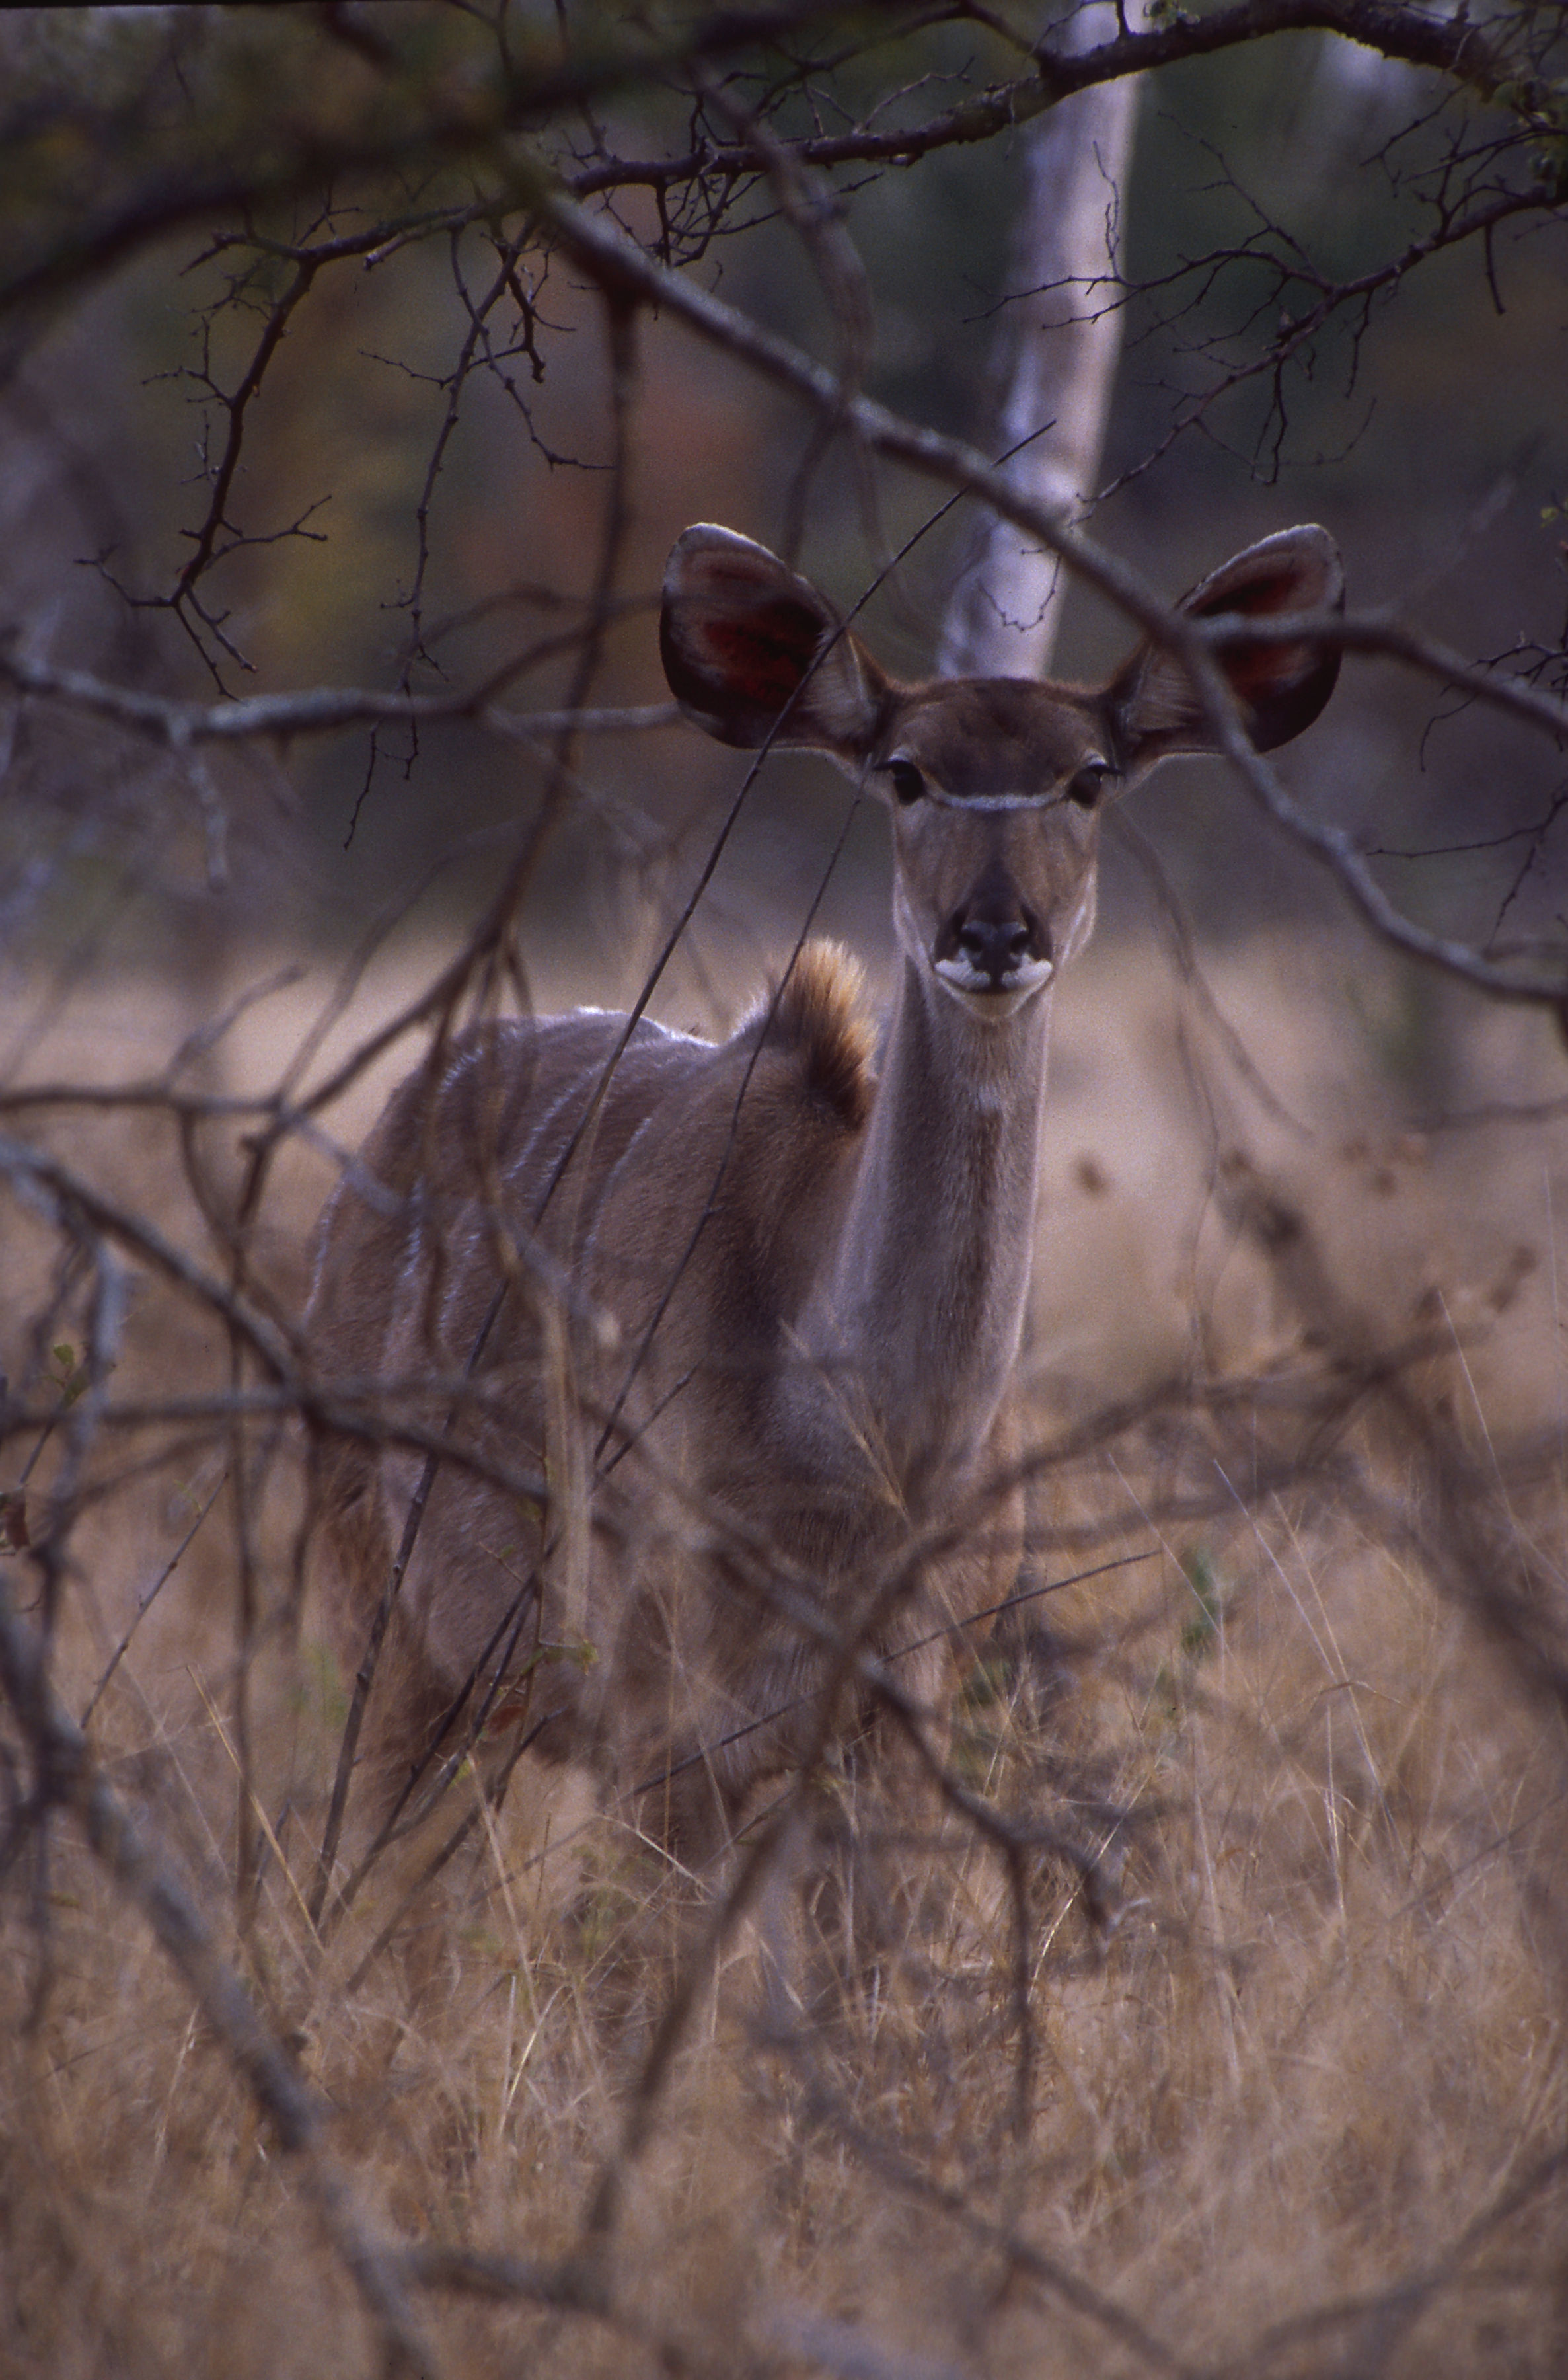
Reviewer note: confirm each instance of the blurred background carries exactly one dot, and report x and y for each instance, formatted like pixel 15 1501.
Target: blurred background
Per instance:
pixel 417 497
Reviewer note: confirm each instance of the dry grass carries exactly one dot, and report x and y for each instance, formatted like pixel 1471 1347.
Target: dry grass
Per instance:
pixel 1288 2094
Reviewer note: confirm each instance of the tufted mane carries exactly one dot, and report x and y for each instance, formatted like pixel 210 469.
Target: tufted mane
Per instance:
pixel 819 1018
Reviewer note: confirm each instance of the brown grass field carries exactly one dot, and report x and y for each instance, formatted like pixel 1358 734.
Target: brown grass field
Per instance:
pixel 1219 2030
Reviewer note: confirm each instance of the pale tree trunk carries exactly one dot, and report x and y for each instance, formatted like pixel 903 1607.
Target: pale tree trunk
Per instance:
pixel 1060 346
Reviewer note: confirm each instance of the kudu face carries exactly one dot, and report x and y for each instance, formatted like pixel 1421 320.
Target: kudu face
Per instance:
pixel 994 786
pixel 995 783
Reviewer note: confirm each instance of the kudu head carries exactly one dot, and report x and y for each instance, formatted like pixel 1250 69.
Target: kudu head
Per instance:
pixel 996 783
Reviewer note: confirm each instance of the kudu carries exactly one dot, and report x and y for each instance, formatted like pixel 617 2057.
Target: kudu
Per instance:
pixel 749 1314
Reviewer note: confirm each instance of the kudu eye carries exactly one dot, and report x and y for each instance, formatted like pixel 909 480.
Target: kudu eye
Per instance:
pixel 908 783
pixel 1089 783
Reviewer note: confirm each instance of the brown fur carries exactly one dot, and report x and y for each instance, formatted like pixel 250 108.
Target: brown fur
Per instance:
pixel 402 1285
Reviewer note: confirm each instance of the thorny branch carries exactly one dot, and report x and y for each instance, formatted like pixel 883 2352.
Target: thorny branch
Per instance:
pixel 537 89
pixel 1506 172
pixel 326 710
pixel 625 272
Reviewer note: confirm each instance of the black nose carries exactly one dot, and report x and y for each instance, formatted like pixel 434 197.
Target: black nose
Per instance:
pixel 997 947
pixel 996 933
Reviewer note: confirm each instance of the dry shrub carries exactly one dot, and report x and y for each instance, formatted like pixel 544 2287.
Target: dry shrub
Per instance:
pixel 1218 2027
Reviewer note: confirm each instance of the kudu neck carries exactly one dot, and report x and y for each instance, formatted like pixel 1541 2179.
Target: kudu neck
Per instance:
pixel 930 1278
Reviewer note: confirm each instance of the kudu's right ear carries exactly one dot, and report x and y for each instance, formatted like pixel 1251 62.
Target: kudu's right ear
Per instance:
pixel 742 637
pixel 1281 688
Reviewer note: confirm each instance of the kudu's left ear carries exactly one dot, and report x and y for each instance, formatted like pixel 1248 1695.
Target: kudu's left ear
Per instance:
pixel 740 635
pixel 1281 688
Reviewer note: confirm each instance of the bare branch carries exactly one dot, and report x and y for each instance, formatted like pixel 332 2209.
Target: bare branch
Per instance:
pixel 67 1777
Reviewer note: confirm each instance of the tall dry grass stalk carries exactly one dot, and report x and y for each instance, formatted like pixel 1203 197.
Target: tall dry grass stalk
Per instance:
pixel 1212 2023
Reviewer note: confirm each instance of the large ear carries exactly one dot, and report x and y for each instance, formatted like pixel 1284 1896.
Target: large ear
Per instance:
pixel 1281 688
pixel 740 636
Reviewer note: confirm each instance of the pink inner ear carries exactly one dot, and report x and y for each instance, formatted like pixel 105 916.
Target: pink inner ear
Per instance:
pixel 1275 669
pixel 1270 668
pixel 1276 590
pixel 762 654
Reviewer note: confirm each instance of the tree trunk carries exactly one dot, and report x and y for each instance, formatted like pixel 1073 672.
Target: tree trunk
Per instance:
pixel 1058 349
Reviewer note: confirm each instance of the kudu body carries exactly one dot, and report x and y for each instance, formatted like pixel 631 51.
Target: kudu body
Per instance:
pixel 763 1299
